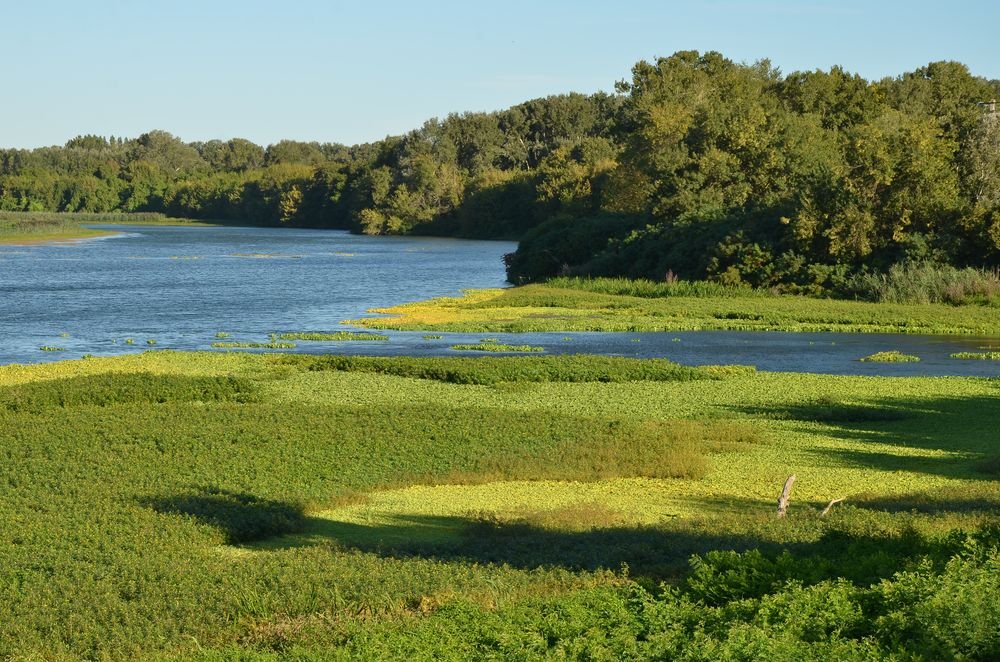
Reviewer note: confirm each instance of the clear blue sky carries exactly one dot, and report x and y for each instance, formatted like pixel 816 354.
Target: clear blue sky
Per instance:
pixel 356 71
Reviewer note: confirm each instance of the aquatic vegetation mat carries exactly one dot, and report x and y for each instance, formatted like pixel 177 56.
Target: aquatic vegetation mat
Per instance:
pixel 977 356
pixel 335 335
pixel 218 505
pixel 891 356
pixel 496 347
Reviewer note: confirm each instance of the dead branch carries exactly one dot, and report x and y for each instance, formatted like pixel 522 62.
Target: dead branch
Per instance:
pixel 786 493
pixel 831 505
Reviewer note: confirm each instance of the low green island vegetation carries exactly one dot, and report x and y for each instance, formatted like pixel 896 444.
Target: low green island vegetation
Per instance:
pixel 977 356
pixel 334 335
pixel 494 346
pixel 248 344
pixel 890 356
pixel 274 506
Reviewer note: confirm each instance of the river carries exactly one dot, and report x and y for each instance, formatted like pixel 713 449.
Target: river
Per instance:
pixel 181 286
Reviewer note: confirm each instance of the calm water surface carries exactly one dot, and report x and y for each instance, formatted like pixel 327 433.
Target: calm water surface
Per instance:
pixel 181 285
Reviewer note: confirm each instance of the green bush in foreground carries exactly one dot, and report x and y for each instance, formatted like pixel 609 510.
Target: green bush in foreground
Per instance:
pixel 892 356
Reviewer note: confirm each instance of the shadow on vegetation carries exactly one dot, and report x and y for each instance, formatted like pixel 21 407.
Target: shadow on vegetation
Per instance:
pixel 963 429
pixel 241 517
pixel 858 545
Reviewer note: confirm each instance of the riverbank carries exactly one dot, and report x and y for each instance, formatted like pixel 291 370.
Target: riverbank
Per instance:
pixel 559 308
pixel 26 228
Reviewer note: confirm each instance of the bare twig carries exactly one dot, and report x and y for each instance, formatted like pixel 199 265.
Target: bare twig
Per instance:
pixel 831 505
pixel 786 493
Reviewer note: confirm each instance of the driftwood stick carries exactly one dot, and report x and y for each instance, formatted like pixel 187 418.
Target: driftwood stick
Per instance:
pixel 786 493
pixel 831 505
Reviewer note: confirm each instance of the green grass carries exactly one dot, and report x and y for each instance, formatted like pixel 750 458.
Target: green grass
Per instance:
pixel 891 356
pixel 239 506
pixel 612 305
pixel 496 347
pixel 978 356
pixel 336 335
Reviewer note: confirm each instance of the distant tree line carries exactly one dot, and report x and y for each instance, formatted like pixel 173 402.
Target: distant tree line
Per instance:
pixel 698 168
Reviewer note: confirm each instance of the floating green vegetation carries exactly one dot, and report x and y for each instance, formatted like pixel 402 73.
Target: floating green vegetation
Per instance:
pixel 489 340
pixel 129 341
pixel 496 347
pixel 432 336
pixel 222 334
pixel 151 341
pixel 50 348
pixel 64 334
pixel 335 335
pixel 977 356
pixel 272 344
pixel 891 356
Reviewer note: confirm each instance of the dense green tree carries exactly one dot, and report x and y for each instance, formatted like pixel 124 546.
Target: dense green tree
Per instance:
pixel 697 166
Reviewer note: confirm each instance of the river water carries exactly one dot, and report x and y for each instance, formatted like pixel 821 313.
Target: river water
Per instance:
pixel 180 286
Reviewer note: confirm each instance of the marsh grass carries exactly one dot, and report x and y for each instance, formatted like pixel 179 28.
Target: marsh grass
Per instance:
pixel 649 289
pixel 926 282
pixel 891 356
